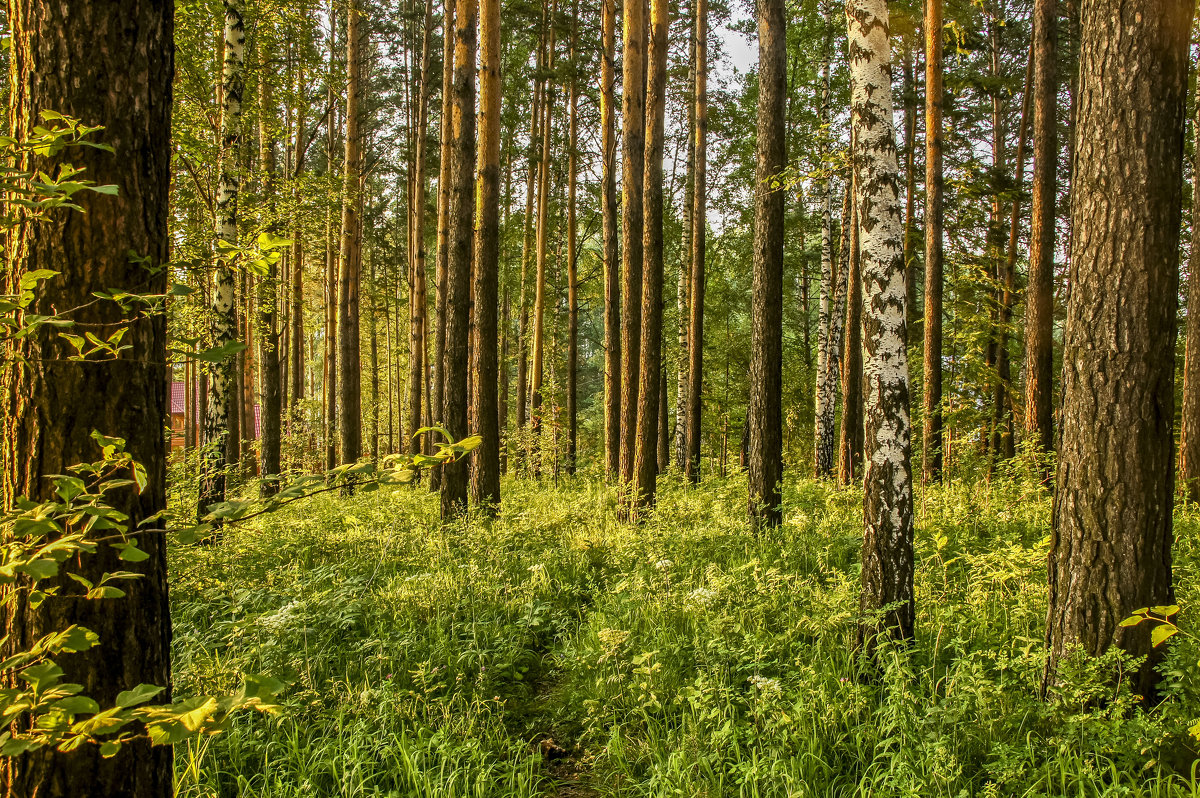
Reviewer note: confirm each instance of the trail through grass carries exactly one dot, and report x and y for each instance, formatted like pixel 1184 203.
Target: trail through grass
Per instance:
pixel 555 651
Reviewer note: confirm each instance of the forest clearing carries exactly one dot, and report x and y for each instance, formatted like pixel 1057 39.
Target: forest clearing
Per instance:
pixel 471 398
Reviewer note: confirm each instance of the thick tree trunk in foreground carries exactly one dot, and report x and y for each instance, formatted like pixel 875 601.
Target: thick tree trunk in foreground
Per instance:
pixel 221 378
pixel 633 145
pixel 1110 549
pixel 699 233
pixel 79 61
pixel 458 260
pixel 349 273
pixel 612 267
pixel 1189 429
pixel 764 422
pixel 650 371
pixel 1039 296
pixel 931 439
pixel 485 476
pixel 887 556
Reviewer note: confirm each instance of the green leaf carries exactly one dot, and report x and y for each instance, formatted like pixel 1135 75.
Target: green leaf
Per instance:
pixel 42 676
pixel 38 569
pixel 1165 611
pixel 109 190
pixel 1162 633
pixel 77 638
pixel 77 705
pixel 105 592
pixel 138 695
pixel 109 748
pixel 129 552
pixel 219 353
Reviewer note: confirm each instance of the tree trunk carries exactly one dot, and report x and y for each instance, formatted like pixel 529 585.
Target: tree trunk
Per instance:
pixel 221 376
pixel 349 366
pixel 543 221
pixel 910 190
pixel 268 288
pixel 485 477
pixel 931 439
pixel 573 255
pixel 764 422
pixel 679 434
pixel 60 57
pixel 1189 428
pixel 1039 296
pixel 331 263
pixel 436 397
pixel 612 275
pixel 699 233
pixel 295 349
pixel 1110 548
pixel 825 396
pixel 850 448
pixel 887 556
pixel 527 250
pixel 633 146
pixel 458 260
pixel 416 246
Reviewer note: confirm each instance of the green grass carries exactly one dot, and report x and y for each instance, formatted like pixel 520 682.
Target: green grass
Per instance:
pixel 683 657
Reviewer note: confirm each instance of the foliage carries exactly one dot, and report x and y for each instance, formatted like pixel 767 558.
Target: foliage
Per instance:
pixel 683 657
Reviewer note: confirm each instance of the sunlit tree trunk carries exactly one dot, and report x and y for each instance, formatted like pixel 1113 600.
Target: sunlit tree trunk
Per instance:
pixel 699 233
pixel 764 421
pixel 686 251
pixel 633 146
pixel 349 272
pixel 458 261
pixel 436 397
pixel 1039 296
pixel 331 260
pixel 527 254
pixel 572 254
pixel 58 55
pixel 850 441
pixel 825 396
pixel 485 476
pixel 221 377
pixel 1189 428
pixel 931 439
pixel 612 273
pixel 1110 547
pixel 268 288
pixel 887 556
pixel 417 291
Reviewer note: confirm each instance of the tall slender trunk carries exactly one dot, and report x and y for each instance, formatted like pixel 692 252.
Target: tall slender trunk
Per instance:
pixel 850 442
pixel 679 434
pixel 764 419
pixel 699 233
pixel 650 370
pixel 886 601
pixel 331 259
pixel 1039 296
pixel 349 273
pixel 633 145
pixel 1110 546
pixel 416 246
pixel 485 477
pixel 543 221
pixel 527 255
pixel 268 288
pixel 572 254
pixel 1189 428
pixel 458 260
pixel 436 398
pixel 931 439
pixel 825 395
pixel 221 377
pixel 910 189
pixel 612 275
pixel 295 348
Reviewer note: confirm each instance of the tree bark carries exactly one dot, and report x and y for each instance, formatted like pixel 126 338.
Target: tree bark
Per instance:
pixel 458 260
pixel 221 376
pixel 612 266
pixel 527 254
pixel 106 63
pixel 850 448
pixel 825 395
pixel 331 262
pixel 268 288
pixel 699 234
pixel 931 439
pixel 1189 428
pixel 572 253
pixel 633 146
pixel 1110 548
pixel 349 272
pixel 485 477
pixel 417 292
pixel 886 602
pixel 764 421
pixel 1039 296
pixel 686 251
pixel 436 397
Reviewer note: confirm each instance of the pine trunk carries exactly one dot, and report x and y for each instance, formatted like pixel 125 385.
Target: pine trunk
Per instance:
pixel 1189 428
pixel 60 53
pixel 1110 548
pixel 699 234
pixel 764 421
pixel 931 438
pixel 612 273
pixel 573 254
pixel 349 272
pixel 633 163
pixel 543 223
pixel 268 288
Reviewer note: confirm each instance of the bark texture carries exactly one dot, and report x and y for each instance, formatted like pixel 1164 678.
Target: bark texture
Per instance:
pixel 349 271
pixel 825 396
pixel 612 266
pixel 112 64
pixel 931 438
pixel 699 233
pixel 887 555
pixel 764 420
pixel 633 161
pixel 1110 548
pixel 1189 428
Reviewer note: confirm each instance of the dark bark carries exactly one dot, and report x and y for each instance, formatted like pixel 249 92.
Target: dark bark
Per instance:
pixel 764 420
pixel 111 64
pixel 699 233
pixel 931 439
pixel 1110 548
pixel 1189 427
pixel 572 255
pixel 349 272
pixel 612 267
pixel 268 291
pixel 633 162
pixel 850 441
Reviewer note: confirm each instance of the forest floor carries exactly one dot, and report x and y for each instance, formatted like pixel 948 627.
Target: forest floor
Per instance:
pixel 555 651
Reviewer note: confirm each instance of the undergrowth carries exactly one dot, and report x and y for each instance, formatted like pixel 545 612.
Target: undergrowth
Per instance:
pixel 684 657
